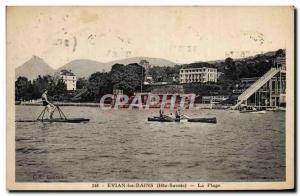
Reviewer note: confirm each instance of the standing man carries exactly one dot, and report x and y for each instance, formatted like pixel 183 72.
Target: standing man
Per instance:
pixel 50 106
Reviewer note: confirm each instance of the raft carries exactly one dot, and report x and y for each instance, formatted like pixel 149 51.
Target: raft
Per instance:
pixel 62 120
pixel 203 120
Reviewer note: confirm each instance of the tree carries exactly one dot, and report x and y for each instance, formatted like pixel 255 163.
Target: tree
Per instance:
pixel 128 78
pixel 81 83
pixel 60 90
pixel 164 74
pixel 23 89
pixel 230 69
pixel 280 52
pixel 27 90
pixel 158 74
pixel 117 67
pixel 99 84
pixel 41 84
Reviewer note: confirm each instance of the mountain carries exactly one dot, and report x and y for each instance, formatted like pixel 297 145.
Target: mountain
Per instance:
pixel 84 67
pixel 34 67
pixel 152 61
pixel 81 67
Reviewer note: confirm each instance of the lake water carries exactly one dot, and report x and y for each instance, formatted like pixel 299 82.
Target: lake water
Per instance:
pixel 123 146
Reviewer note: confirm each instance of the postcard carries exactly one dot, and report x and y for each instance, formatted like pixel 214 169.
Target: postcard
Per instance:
pixel 144 98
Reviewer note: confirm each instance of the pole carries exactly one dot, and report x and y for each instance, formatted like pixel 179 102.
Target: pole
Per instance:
pixel 42 114
pixel 259 98
pixel 255 99
pixel 271 87
pixel 142 79
pixel 61 113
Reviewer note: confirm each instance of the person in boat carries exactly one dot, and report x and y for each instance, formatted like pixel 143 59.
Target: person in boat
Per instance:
pixel 161 113
pixel 177 114
pixel 50 107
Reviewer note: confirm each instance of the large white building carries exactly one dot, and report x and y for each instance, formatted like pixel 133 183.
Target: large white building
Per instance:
pixel 69 79
pixel 200 75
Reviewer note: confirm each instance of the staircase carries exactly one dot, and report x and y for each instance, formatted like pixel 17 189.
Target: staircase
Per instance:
pixel 256 86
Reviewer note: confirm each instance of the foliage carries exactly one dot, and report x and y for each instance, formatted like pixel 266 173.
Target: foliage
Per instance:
pixel 98 85
pixel 27 90
pixel 81 83
pixel 128 78
pixel 164 74
pixel 57 89
pixel 23 89
pixel 202 89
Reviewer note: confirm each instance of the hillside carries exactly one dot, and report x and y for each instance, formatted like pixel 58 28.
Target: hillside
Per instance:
pixel 152 61
pixel 253 66
pixel 34 67
pixel 84 67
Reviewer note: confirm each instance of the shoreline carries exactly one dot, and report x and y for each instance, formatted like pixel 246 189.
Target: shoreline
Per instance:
pixel 196 106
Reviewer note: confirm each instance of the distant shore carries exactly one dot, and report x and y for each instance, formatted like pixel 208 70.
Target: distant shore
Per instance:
pixel 61 104
pixel 85 104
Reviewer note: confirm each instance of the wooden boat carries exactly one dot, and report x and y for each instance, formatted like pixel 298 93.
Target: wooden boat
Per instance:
pixel 62 120
pixel 203 120
pixel 253 111
pixel 278 109
pixel 163 119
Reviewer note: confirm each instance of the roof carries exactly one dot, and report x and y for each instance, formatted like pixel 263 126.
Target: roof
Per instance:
pixel 188 68
pixel 66 73
pixel 199 65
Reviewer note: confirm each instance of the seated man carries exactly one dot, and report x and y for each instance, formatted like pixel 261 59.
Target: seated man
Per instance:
pixel 161 113
pixel 177 114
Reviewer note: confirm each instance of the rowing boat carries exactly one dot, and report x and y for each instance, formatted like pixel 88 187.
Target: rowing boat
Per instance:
pixel 170 119
pixel 62 120
pixel 253 111
pixel 203 120
pixel 163 119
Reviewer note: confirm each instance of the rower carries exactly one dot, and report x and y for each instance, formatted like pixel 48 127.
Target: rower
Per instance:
pixel 161 113
pixel 177 115
pixel 50 107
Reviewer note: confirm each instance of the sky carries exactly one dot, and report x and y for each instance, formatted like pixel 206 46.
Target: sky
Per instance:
pixel 179 34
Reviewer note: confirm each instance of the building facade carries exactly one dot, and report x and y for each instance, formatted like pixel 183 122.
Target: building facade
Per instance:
pixel 69 79
pixel 198 75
